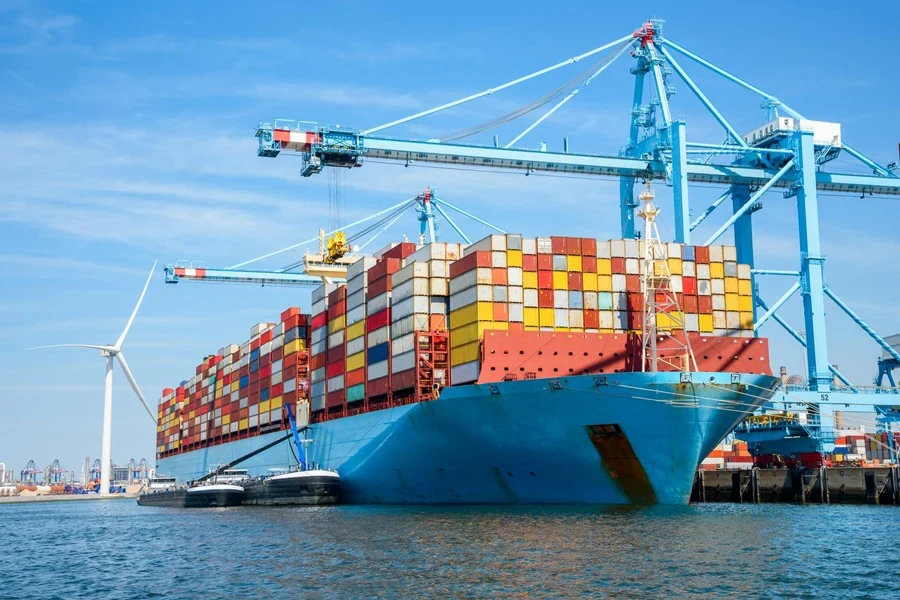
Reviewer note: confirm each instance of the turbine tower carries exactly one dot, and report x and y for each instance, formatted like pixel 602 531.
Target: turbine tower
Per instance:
pixel 111 353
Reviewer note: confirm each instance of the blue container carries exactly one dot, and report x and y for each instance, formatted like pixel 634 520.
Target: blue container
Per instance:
pixel 254 366
pixel 688 253
pixel 604 300
pixel 264 394
pixel 245 381
pixel 378 353
pixel 576 300
pixel 254 354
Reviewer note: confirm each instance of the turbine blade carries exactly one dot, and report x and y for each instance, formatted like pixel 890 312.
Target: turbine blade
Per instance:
pixel 107 348
pixel 136 307
pixel 134 385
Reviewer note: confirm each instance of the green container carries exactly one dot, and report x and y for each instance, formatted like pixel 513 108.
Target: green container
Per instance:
pixel 355 393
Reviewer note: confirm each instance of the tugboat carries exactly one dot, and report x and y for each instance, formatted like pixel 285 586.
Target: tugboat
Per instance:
pixel 307 485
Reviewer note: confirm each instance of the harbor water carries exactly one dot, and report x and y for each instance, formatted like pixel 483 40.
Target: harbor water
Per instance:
pixel 116 549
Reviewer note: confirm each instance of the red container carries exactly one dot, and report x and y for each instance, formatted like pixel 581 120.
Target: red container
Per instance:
pixel 545 278
pixel 573 246
pixel 501 312
pixel 277 390
pixel 315 362
pixel 545 262
pixel 265 337
pixel 226 379
pixel 403 381
pixel 277 354
pixel 689 285
pixel 618 266
pixel 333 369
pixel 635 302
pixel 254 344
pixel 291 322
pixel 589 247
pixel 265 371
pixel 632 283
pixel 264 360
pixel 589 264
pixel 378 387
pixel 320 320
pixel 704 305
pixel 400 251
pixel 290 398
pixel 558 244
pixel 516 326
pixel 335 354
pixel 289 373
pixel 690 304
pixel 482 258
pixel 498 276
pixel 291 360
pixel 529 262
pixel 576 281
pixel 378 320
pixel 386 266
pixel 336 309
pixel 254 377
pixel 355 377
pixel 335 398
pixel 291 312
pixel 545 298
pixel 635 319
pixel 377 287
pixel 701 254
pixel 591 319
pixel 337 294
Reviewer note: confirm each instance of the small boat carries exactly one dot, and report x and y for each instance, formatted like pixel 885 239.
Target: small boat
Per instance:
pixel 202 495
pixel 302 487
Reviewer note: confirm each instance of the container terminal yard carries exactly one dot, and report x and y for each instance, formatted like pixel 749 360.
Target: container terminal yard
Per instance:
pixel 417 369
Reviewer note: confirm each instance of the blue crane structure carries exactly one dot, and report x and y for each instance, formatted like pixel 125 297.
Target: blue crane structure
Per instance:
pixel 427 205
pixel 788 153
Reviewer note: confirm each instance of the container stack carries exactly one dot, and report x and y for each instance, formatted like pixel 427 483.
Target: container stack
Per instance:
pixel 335 366
pixel 357 288
pixel 240 390
pixel 319 345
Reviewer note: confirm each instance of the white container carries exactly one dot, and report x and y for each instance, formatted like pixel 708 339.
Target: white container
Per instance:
pixel 516 313
pixel 494 242
pixel 378 336
pixel 590 301
pixel 689 268
pixel 428 252
pixel 718 302
pixel 560 299
pixel 321 292
pixel 733 320
pixel 479 276
pixel 276 377
pixel 377 370
pixel 576 318
pixel 404 343
pixel 417 286
pixel 729 253
pixel 603 249
pixel 355 315
pixel 276 365
pixel 744 271
pixel 620 301
pixel 403 362
pixel 378 303
pixel 356 284
pixel 439 305
pixel 334 384
pixel 560 317
pixel 731 269
pixel 514 276
pixel 316 335
pixel 703 287
pixel 407 325
pixel 316 348
pixel 498 260
pixel 717 286
pixel 632 266
pixel 544 245
pixel 515 294
pixel 413 305
pixel 500 293
pixel 356 345
pixel 438 286
pixel 438 268
pixel 618 283
pixel 530 298
pixel 356 299
pixel 719 321
pixel 715 254
pixel 632 250
pixel 674 250
pixel 319 306
pixel 317 374
pixel 620 320
pixel 336 339
pixel 412 269
pixel 479 293
pixel 361 266
pixel 677 283
pixel 465 372
pixel 529 246
pixel 606 319
pixel 691 322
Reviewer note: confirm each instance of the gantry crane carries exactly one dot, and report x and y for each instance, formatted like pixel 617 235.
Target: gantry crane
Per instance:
pixel 336 250
pixel 788 152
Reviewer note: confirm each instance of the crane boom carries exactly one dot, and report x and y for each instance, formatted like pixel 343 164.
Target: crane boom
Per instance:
pixel 272 278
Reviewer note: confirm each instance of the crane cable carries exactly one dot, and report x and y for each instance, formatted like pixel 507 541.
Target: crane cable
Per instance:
pixel 536 104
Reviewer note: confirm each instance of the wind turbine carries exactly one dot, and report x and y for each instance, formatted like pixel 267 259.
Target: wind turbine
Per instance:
pixel 110 352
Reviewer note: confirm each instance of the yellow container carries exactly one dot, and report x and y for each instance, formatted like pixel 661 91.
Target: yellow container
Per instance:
pixel 745 304
pixel 532 328
pixel 264 406
pixel 573 264
pixel 356 361
pixel 337 324
pixel 716 270
pixel 731 285
pixel 706 323
pixel 219 383
pixel 191 415
pixel 746 320
pixel 226 419
pixel 532 317
pixel 465 354
pixel 607 331
pixel 235 385
pixel 546 317
pixel 560 280
pixel 276 402
pixel 356 330
pixel 732 302
pixel 561 329
pixel 291 347
pixel 472 332
pixel 243 424
pixel 604 283
pixel 477 311
pixel 669 320
pixel 514 258
pixel 675 266
pixel 529 280
pixel 589 282
pixel 604 266
pixel 744 287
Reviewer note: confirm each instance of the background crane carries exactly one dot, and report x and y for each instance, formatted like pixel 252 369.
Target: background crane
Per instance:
pixel 787 152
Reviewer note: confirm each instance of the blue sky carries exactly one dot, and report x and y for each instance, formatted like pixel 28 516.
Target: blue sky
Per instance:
pixel 126 136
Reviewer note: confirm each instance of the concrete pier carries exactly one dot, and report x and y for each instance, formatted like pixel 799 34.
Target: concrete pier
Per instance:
pixel 834 485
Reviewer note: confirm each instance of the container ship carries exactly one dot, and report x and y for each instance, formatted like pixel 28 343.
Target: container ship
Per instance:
pixel 512 370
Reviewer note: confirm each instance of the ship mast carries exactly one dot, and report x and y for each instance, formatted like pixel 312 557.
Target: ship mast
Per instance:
pixel 662 312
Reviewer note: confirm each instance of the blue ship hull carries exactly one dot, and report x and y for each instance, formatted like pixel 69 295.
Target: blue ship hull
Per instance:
pixel 628 438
